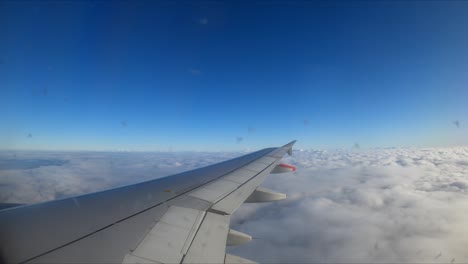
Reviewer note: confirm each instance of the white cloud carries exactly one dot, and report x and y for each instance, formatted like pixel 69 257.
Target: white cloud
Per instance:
pixel 387 205
pixel 395 205
pixel 85 172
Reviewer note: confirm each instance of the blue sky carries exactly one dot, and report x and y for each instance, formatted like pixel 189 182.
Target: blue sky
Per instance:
pixel 149 75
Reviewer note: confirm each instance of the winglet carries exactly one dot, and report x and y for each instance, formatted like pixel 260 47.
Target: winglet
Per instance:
pixel 289 146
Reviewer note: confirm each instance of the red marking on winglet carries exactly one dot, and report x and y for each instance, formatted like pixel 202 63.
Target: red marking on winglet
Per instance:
pixel 288 166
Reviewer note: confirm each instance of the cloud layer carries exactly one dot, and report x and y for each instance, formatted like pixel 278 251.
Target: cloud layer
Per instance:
pixel 392 205
pixel 386 205
pixel 32 177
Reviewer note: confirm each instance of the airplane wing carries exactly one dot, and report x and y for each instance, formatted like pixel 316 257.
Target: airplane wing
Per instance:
pixel 182 218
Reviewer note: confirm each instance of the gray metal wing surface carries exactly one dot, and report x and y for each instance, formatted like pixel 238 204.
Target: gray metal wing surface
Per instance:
pixel 183 218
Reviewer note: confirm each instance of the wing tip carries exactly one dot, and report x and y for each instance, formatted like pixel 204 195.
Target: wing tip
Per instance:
pixel 289 146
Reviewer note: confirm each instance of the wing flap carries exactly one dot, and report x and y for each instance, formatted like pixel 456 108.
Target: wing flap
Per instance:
pixel 131 259
pixel 170 238
pixel 235 199
pixel 232 259
pixel 209 244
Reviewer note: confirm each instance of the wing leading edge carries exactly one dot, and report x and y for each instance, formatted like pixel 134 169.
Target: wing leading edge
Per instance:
pixel 182 218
